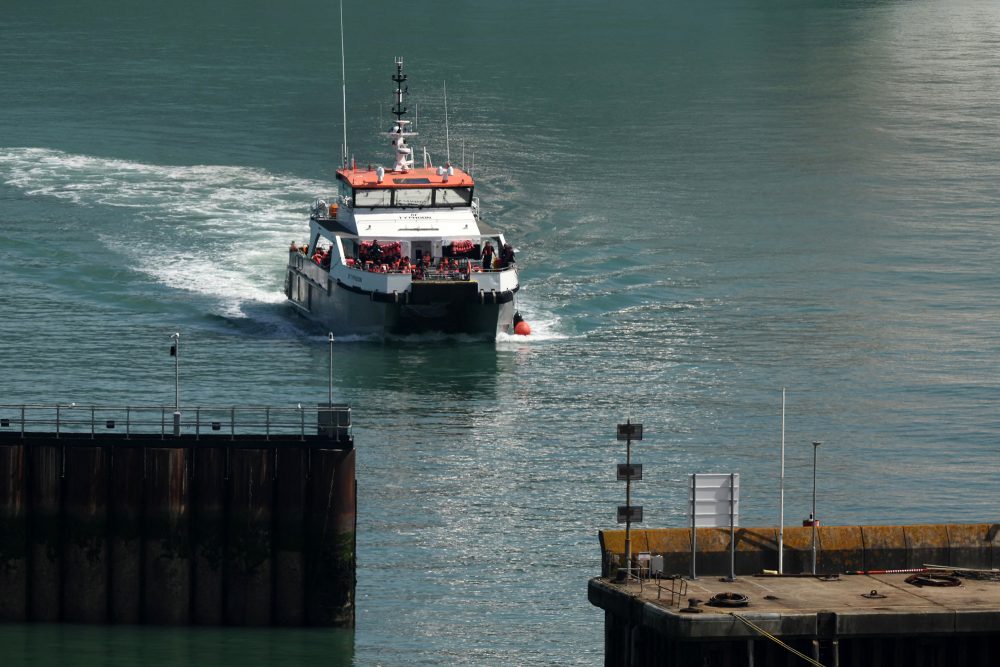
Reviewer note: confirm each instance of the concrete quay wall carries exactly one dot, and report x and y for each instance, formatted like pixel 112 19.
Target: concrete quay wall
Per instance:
pixel 828 621
pixel 839 548
pixel 177 530
pixel 878 618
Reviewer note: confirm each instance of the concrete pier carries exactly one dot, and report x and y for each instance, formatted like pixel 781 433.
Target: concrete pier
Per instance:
pixel 13 534
pixel 836 618
pixel 198 528
pixel 125 535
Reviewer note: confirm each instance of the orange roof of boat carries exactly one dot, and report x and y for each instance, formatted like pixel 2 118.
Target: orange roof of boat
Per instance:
pixel 422 177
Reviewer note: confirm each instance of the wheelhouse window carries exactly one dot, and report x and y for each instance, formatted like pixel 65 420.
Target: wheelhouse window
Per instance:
pixel 365 198
pixel 415 197
pixel 454 197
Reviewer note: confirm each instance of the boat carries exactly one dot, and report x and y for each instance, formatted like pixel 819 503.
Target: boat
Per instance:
pixel 403 250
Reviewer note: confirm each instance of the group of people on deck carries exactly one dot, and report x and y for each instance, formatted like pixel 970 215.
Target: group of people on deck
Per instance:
pixel 492 261
pixel 445 267
pixel 373 258
pixel 321 256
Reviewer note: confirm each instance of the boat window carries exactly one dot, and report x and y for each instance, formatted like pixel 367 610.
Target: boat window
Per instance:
pixel 454 197
pixel 364 198
pixel 323 252
pixel 414 197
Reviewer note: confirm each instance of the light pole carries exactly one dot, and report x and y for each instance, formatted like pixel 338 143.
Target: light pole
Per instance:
pixel 628 505
pixel 175 350
pixel 629 473
pixel 781 493
pixel 330 401
pixel 812 516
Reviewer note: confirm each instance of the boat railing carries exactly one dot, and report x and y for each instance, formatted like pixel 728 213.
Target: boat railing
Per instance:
pixel 308 267
pixel 476 267
pixel 232 422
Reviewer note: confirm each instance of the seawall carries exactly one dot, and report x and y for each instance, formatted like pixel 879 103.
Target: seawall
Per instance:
pixel 857 610
pixel 205 529
pixel 838 548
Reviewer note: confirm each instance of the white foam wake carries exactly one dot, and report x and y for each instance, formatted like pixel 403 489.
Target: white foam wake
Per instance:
pixel 217 231
pixel 542 328
pixel 214 230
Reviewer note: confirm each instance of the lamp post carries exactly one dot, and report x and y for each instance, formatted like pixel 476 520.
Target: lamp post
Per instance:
pixel 628 473
pixel 812 516
pixel 176 352
pixel 330 401
pixel 781 493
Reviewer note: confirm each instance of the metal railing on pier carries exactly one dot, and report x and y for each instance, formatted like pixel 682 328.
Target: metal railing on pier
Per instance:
pixel 75 420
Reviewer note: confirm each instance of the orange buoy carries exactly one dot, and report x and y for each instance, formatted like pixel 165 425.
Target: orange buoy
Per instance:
pixel 522 328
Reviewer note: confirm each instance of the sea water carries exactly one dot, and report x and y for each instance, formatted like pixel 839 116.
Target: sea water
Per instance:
pixel 710 202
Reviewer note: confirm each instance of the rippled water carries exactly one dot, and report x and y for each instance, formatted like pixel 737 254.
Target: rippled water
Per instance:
pixel 709 202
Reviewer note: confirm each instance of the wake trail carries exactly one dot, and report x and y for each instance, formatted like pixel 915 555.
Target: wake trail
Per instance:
pixel 218 231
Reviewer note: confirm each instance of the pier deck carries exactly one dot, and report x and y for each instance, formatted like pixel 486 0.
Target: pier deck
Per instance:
pixel 799 605
pixel 840 619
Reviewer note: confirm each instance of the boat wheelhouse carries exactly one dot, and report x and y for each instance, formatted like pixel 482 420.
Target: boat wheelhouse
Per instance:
pixel 403 251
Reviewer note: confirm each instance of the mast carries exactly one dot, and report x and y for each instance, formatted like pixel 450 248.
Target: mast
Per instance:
pixel 447 137
pixel 399 132
pixel 399 110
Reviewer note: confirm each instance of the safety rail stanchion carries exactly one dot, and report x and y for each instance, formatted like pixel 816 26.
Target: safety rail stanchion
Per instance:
pixel 677 590
pixel 142 420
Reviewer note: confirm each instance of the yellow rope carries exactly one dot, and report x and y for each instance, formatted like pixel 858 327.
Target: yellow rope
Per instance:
pixel 780 643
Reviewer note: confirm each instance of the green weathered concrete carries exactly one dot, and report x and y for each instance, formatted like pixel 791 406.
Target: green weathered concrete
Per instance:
pixel 13 535
pixel 195 529
pixel 248 538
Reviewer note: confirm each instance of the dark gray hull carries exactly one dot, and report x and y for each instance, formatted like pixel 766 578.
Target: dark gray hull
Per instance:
pixel 449 307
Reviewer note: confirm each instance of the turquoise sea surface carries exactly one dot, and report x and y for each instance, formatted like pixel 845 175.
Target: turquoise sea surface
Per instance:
pixel 710 201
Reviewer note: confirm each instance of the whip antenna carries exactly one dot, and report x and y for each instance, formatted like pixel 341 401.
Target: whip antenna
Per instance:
pixel 447 139
pixel 343 80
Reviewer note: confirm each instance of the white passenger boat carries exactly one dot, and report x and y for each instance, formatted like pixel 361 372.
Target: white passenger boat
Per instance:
pixel 403 250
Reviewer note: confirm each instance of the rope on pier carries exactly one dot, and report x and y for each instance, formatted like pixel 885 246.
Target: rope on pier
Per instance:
pixel 777 641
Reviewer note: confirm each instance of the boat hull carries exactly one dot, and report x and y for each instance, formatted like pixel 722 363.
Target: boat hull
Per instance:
pixel 449 307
